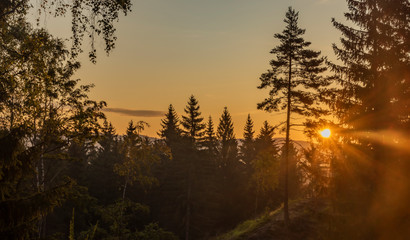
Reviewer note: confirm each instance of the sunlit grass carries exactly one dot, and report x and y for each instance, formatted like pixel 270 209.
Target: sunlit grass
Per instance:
pixel 247 226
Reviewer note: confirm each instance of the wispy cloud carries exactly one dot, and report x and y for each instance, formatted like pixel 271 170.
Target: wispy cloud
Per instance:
pixel 135 113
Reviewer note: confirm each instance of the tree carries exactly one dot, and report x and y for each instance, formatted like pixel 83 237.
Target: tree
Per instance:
pixel 101 167
pixel 210 141
pixel 42 113
pixel 228 149
pixel 170 127
pixel 89 19
pixel 248 146
pixel 192 123
pixel 295 83
pixel 265 165
pixel 372 105
pixel 193 132
pixel 138 158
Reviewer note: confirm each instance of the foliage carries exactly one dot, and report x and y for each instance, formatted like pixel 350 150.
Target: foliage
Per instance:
pixel 153 232
pixel 192 123
pixel 296 84
pixel 228 150
pixel 90 19
pixel 170 126
pixel 371 103
pixel 43 113
pixel 247 148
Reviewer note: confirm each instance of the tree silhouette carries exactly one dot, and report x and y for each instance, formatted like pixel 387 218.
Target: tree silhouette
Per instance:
pixel 266 165
pixel 170 127
pixel 228 147
pixel 192 122
pixel 210 140
pixel 248 146
pixel 371 102
pixel 294 81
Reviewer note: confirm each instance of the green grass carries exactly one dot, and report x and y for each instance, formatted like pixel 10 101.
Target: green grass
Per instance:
pixel 247 226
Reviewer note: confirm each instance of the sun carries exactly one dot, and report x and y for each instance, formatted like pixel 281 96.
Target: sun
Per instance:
pixel 325 133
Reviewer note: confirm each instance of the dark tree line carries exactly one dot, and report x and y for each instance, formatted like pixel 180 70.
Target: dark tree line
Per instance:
pixel 210 182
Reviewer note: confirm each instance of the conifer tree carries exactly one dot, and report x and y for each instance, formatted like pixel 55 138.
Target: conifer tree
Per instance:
pixel 192 122
pixel 210 141
pixel 193 130
pixel 138 157
pixel 371 101
pixel 170 126
pixel 228 146
pixel 265 164
pixel 295 82
pixel 374 78
pixel 248 145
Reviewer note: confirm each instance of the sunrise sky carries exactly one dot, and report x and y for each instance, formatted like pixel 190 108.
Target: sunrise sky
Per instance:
pixel 214 49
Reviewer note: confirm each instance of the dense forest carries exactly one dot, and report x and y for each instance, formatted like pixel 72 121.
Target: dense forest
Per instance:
pixel 65 173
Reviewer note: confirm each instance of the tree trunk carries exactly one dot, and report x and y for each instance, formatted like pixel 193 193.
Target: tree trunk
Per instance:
pixel 188 208
pixel 286 187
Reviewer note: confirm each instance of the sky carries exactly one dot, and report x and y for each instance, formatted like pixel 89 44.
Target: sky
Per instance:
pixel 216 50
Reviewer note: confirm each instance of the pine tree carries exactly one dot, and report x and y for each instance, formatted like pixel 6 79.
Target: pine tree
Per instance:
pixel 374 78
pixel 101 169
pixel 248 145
pixel 371 101
pixel 138 156
pixel 265 166
pixel 192 122
pixel 210 141
pixel 295 82
pixel 228 146
pixel 170 126
pixel 193 131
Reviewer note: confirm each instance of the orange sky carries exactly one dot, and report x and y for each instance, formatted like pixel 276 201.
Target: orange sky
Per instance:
pixel 216 50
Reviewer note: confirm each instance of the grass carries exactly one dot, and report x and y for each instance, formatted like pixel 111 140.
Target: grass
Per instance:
pixel 248 226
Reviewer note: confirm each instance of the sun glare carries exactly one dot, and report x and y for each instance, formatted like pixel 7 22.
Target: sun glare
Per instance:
pixel 325 133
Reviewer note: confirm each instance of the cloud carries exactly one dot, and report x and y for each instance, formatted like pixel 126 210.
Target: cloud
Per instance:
pixel 135 113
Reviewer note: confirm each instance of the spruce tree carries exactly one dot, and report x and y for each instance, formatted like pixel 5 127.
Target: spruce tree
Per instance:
pixel 193 131
pixel 170 127
pixel 248 144
pixel 371 101
pixel 265 167
pixel 228 146
pixel 210 141
pixel 192 122
pixel 295 83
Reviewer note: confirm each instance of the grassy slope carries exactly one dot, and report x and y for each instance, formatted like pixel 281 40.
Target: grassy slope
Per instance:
pixel 308 221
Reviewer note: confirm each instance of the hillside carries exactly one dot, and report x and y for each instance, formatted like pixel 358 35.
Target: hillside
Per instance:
pixel 308 221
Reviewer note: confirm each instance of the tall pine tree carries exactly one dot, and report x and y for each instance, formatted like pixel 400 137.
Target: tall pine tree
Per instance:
pixel 194 128
pixel 294 81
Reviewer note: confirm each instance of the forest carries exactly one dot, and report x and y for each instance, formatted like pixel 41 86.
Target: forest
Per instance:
pixel 66 173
